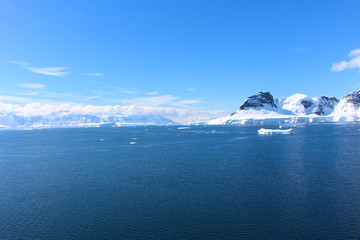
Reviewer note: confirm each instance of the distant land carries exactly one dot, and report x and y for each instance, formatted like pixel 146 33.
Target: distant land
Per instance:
pixel 257 109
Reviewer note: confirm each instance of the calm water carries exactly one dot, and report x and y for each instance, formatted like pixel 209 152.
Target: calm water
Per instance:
pixel 223 182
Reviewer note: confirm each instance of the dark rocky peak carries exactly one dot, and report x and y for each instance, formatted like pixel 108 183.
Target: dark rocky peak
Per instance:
pixel 325 104
pixel 259 100
pixel 353 97
pixel 327 99
pixel 306 103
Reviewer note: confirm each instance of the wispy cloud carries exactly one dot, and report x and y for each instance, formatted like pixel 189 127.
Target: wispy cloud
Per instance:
pixel 19 63
pixel 32 85
pixel 14 99
pixel 151 101
pixel 354 62
pixel 32 93
pixel 153 93
pixel 65 95
pixel 190 89
pixel 93 74
pixel 92 97
pixel 125 91
pixel 52 71
pixel 187 102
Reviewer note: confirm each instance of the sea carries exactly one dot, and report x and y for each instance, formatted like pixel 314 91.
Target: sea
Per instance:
pixel 181 182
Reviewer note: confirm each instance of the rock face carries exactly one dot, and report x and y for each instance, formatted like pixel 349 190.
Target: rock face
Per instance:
pixel 349 106
pixel 306 103
pixel 353 98
pixel 259 100
pixel 325 105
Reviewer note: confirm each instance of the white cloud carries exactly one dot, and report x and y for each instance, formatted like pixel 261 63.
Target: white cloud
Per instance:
pixel 151 101
pixel 52 71
pixel 93 74
pixel 191 89
pixel 354 62
pixel 354 53
pixel 32 85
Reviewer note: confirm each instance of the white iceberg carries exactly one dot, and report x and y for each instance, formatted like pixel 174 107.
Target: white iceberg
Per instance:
pixel 275 131
pixel 181 128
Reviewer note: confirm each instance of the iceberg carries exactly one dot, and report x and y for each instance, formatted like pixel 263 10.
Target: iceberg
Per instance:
pixel 182 128
pixel 275 131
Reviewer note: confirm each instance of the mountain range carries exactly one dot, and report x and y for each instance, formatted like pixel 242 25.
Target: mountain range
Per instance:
pixel 71 119
pixel 263 108
pixel 257 109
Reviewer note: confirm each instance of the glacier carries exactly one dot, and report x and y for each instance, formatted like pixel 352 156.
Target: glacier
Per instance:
pixel 262 108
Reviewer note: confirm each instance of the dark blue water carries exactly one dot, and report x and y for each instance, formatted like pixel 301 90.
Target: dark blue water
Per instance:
pixel 223 182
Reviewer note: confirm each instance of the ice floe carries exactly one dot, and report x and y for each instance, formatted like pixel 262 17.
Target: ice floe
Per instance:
pixel 274 131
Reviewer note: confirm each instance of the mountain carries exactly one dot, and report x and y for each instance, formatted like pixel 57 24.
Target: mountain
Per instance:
pixel 70 119
pixel 348 109
pixel 263 108
pixel 301 104
pixel 256 109
pixel 262 99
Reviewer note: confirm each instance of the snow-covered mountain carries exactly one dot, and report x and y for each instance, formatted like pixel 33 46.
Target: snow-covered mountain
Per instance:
pixel 259 108
pixel 301 104
pixel 263 108
pixel 70 119
pixel 45 115
pixel 348 109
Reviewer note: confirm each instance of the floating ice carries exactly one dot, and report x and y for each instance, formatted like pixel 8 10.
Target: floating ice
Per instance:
pixel 181 128
pixel 275 131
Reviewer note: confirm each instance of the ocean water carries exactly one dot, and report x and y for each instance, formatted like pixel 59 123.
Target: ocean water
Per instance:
pixel 202 182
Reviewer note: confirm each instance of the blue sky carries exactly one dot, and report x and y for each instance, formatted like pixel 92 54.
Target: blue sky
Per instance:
pixel 186 54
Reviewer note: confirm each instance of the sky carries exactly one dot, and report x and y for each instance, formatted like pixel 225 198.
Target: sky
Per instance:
pixel 188 54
